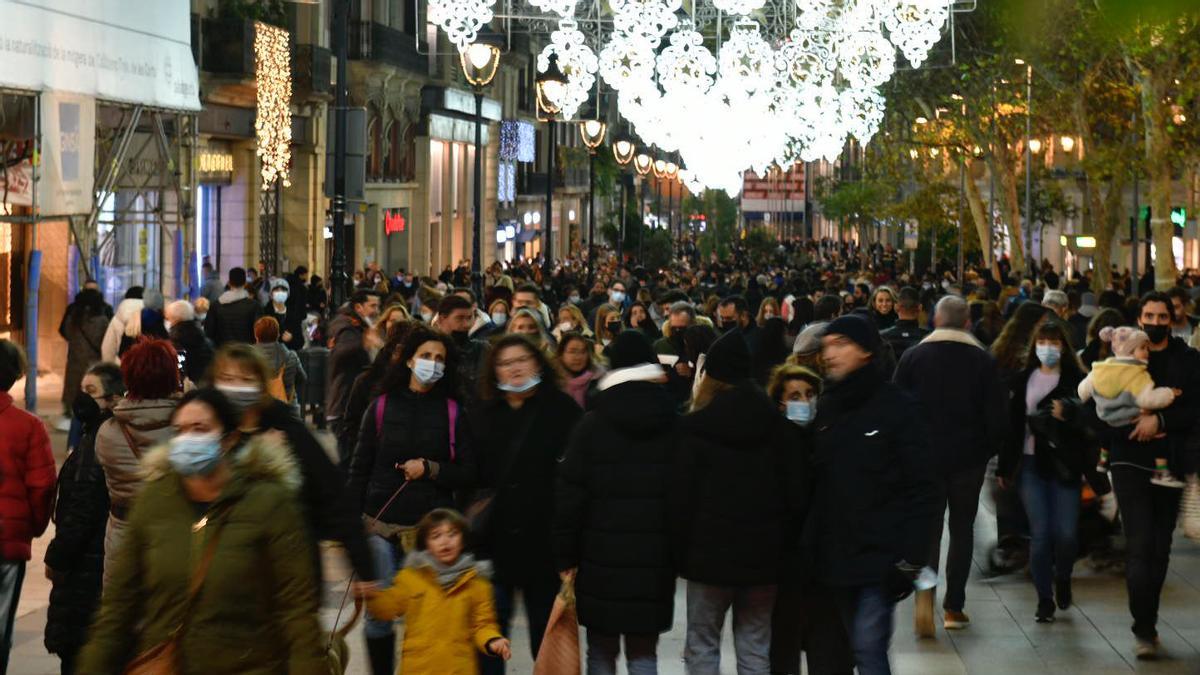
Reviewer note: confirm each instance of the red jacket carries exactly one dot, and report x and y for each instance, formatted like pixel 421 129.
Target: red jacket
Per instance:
pixel 26 480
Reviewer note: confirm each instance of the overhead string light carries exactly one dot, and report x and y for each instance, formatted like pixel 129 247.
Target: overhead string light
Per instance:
pixel 762 103
pixel 461 20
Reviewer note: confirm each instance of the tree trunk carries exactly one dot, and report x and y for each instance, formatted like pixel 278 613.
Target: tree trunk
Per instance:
pixel 982 221
pixel 1106 214
pixel 1002 164
pixel 1158 162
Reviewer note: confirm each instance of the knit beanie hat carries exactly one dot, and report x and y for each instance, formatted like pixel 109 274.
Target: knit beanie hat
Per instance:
pixel 630 348
pixel 858 329
pixel 280 282
pixel 728 359
pixel 809 340
pixel 1125 340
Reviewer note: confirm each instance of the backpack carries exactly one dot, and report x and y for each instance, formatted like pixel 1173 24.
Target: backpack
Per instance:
pixel 276 387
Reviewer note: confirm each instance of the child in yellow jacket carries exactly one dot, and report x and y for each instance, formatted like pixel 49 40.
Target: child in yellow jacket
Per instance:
pixel 446 600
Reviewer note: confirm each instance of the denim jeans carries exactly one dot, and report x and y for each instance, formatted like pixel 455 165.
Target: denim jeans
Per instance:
pixel 867 613
pixel 538 599
pixel 961 492
pixel 12 574
pixel 641 653
pixel 1053 510
pixel 1148 514
pixel 706 609
pixel 388 560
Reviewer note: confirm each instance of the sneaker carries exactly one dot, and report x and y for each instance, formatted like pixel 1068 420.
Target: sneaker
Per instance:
pixel 1062 593
pixel 955 620
pixel 1164 478
pixel 923 614
pixel 1146 650
pixel 1045 611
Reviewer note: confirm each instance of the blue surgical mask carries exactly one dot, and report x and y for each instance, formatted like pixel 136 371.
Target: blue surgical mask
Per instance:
pixel 195 454
pixel 428 372
pixel 533 381
pixel 279 296
pixel 1049 355
pixel 801 412
pixel 499 318
pixel 617 296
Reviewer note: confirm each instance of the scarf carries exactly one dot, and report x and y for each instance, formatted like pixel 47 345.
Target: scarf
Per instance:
pixel 448 575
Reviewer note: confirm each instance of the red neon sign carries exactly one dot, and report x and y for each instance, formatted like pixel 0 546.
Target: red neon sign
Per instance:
pixel 393 221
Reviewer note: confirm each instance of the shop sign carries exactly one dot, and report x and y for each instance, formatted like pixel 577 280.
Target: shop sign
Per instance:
pixel 394 221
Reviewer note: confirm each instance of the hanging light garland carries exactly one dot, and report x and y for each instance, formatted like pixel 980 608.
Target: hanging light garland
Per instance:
pixel 273 114
pixel 461 20
pixel 766 104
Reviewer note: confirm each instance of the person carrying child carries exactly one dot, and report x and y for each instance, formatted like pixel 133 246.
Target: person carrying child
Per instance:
pixel 1123 388
pixel 446 600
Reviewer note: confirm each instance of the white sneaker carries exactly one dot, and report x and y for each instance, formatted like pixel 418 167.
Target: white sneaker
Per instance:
pixel 1167 479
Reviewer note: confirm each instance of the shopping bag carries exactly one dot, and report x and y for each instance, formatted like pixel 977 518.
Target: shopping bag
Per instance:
pixel 1189 508
pixel 559 653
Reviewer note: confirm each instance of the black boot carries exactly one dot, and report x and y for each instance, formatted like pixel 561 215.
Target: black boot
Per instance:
pixel 1062 593
pixel 382 654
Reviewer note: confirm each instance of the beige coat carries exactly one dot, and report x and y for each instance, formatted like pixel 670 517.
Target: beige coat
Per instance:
pixel 149 422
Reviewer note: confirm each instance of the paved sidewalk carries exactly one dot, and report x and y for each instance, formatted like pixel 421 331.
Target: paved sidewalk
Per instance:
pixel 1092 637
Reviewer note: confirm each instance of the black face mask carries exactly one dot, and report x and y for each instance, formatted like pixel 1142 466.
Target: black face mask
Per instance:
pixel 727 326
pixel 614 327
pixel 85 409
pixel 460 337
pixel 1157 333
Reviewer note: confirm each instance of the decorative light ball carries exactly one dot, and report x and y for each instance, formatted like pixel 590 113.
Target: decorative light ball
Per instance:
pixel 686 64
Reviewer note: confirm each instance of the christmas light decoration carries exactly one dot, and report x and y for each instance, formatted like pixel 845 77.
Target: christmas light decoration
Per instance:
pixel 273 114
pixel 578 63
pixel 460 19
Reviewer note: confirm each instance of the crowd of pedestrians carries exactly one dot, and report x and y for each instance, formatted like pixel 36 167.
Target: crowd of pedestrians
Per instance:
pixel 789 434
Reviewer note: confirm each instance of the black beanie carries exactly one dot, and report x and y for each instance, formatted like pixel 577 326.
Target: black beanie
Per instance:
pixel 857 328
pixel 630 348
pixel 728 359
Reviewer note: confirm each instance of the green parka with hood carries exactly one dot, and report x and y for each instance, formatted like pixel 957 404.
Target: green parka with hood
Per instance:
pixel 257 610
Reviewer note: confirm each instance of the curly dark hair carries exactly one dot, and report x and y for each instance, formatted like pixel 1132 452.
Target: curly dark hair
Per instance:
pixel 487 376
pixel 400 374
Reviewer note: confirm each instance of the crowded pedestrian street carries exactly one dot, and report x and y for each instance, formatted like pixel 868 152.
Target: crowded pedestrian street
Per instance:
pixel 582 337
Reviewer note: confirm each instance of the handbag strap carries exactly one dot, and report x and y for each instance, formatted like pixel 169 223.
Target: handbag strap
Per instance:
pixel 133 446
pixel 196 583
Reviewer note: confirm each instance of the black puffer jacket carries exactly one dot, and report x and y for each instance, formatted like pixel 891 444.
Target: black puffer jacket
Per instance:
pixel 325 502
pixel 519 452
pixel 232 318
pixel 348 358
pixel 729 501
pixel 611 515
pixel 415 426
pixel 875 494
pixel 193 345
pixel 77 552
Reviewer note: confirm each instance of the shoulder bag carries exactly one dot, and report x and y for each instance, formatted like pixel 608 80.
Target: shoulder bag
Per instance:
pixel 163 658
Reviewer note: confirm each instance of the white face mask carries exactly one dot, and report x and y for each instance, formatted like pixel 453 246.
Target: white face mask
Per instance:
pixel 280 296
pixel 565 327
pixel 427 371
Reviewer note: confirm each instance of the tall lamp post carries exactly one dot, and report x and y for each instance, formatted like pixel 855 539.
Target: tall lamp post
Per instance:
pixel 480 60
pixel 642 164
pixel 623 150
pixel 550 87
pixel 1030 261
pixel 592 132
pixel 337 210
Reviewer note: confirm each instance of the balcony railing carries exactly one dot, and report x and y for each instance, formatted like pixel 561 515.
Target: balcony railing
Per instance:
pixel 371 41
pixel 227 45
pixel 311 69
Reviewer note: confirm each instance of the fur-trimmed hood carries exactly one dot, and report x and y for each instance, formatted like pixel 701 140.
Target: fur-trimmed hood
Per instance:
pixel 953 335
pixel 265 457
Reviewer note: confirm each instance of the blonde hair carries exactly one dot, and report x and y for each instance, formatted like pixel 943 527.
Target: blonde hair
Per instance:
pixel 707 390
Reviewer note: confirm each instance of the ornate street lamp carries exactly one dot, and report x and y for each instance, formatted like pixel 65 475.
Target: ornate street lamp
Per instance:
pixel 550 89
pixel 480 61
pixel 592 132
pixel 623 150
